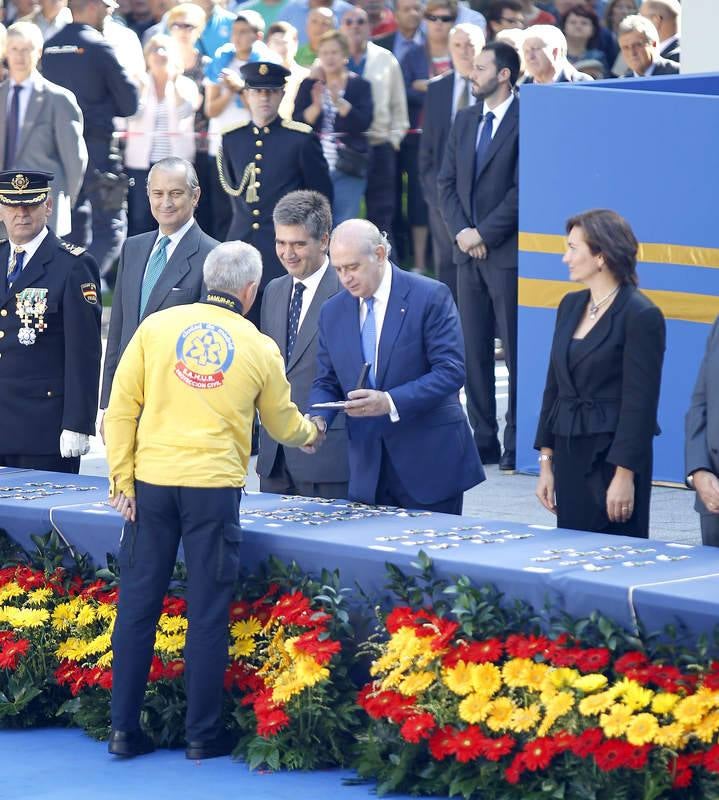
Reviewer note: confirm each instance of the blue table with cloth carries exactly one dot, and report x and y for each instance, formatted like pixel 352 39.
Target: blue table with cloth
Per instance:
pixel 629 580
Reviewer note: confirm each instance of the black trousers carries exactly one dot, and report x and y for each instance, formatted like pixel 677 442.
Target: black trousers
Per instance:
pixel 380 191
pixel 488 295
pixel 710 529
pixel 207 522
pixel 282 481
pixel 444 267
pixel 392 492
pixel 44 463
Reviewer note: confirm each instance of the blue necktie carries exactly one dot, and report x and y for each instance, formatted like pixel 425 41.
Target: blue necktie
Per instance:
pixel 155 265
pixel 369 341
pixel 485 139
pixel 293 319
pixel 12 131
pixel 15 266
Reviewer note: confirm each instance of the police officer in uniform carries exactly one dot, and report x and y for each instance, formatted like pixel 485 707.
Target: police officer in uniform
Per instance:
pixel 263 159
pixel 49 334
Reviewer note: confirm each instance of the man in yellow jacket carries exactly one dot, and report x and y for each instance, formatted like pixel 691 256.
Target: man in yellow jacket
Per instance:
pixel 178 430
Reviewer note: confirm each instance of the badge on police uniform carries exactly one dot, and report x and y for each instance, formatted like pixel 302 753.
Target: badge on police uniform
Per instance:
pixel 89 292
pixel 31 307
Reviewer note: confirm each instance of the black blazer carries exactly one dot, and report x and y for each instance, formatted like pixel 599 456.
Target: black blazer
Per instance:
pixel 662 66
pixel 614 386
pixel 359 93
pixel 672 51
pixel 491 198
pixel 435 130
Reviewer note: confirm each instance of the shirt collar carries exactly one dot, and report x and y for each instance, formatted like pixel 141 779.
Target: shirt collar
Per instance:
pixel 666 42
pixel 499 111
pixel 31 247
pixel 223 300
pixel 28 83
pixel 177 235
pixel 385 286
pixel 311 282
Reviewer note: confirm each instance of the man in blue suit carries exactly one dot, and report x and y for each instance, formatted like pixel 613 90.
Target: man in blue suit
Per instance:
pixel 409 443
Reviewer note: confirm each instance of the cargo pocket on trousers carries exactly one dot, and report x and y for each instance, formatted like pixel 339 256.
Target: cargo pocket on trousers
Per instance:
pixel 126 555
pixel 228 553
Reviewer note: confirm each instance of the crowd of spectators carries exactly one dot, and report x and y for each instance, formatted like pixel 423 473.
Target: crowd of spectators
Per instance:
pixel 360 75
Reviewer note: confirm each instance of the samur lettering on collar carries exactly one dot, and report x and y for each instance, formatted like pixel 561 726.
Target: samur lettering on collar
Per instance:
pixel 31 308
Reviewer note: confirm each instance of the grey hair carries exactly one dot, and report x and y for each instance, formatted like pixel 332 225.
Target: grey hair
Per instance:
pixel 308 209
pixel 671 7
pixel 371 236
pixel 636 23
pixel 232 266
pixel 28 31
pixel 174 162
pixel 550 35
pixel 474 32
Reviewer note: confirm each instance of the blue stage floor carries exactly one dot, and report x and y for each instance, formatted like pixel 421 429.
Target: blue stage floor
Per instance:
pixel 58 764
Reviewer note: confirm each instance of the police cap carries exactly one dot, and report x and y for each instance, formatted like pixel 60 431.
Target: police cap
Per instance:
pixel 21 187
pixel 264 75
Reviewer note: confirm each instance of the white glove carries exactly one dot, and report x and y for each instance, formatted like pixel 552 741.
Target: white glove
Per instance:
pixel 74 444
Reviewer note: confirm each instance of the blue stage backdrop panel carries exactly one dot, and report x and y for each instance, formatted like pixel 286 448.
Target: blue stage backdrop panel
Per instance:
pixel 647 149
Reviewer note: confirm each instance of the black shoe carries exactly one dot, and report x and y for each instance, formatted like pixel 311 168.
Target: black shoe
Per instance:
pixel 508 462
pixel 489 455
pixel 129 744
pixel 222 745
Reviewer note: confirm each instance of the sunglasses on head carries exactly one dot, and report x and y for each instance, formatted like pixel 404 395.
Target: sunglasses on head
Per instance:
pixel 439 18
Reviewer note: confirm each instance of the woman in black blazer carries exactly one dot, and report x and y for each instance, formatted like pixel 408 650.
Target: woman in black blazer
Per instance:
pixel 338 105
pixel 599 411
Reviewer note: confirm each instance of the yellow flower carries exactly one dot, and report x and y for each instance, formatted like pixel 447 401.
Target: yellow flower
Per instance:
pixel 595 704
pixel 10 590
pixel 246 628
pixel 38 597
pixel 638 697
pixel 170 645
pixel 416 683
pixel 25 617
pixel 706 729
pixel 641 729
pixel 486 679
pixel 524 719
pixel 474 708
pixel 670 736
pixel 590 683
pixel 557 707
pixel 499 713
pixel 168 624
pixel 86 615
pixel 709 697
pixel 285 690
pixel 64 615
pixel 664 702
pixel 536 674
pixel 309 671
pixel 242 648
pixel 689 710
pixel 105 660
pixel 560 678
pixel 72 649
pixel 459 679
pixel 615 722
pixel 99 644
pixel 516 672
pixel 393 678
pixel 107 611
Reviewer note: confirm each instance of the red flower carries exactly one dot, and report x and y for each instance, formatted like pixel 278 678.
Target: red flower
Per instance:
pixel 494 749
pixel 392 705
pixel 11 652
pixel 711 759
pixel 632 660
pixel 711 682
pixel 489 650
pixel 271 723
pixel 66 672
pixel 445 633
pixel 6 636
pixel 468 744
pixel 79 681
pixel 564 741
pixel 290 607
pixel 526 646
pixel 638 757
pixel 682 778
pixel 92 589
pixel 587 742
pixel 240 609
pixel 565 656
pixel 174 606
pixel 539 753
pixel 593 660
pixel 400 617
pixel 29 579
pixel 157 668
pixel 513 773
pixel 442 743
pixel 322 651
pixel 417 727
pixel 613 754
pixel 263 703
pixel 174 669
pixel 108 598
pixel 105 679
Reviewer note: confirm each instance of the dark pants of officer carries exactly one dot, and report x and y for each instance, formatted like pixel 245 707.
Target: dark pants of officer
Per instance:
pixel 282 481
pixel 392 492
pixel 380 191
pixel 44 463
pixel 207 522
pixel 101 230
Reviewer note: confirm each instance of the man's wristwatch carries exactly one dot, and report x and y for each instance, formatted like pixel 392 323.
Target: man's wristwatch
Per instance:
pixel 690 481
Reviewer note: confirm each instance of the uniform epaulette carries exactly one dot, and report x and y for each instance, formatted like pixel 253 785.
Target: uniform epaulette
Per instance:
pixel 296 126
pixel 231 128
pixel 73 249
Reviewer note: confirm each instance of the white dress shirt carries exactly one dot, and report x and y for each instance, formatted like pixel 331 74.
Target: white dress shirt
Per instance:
pixel 30 248
pixel 499 112
pixel 23 100
pixel 311 282
pixel 459 87
pixel 381 299
pixel 175 239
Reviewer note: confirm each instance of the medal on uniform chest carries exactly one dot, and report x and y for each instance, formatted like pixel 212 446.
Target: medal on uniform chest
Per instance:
pixel 31 307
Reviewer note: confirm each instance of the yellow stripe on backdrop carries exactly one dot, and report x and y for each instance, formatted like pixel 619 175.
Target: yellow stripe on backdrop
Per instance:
pixel 686 306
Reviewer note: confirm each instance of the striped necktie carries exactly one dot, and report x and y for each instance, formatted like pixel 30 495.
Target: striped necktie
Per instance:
pixel 293 319
pixel 155 265
pixel 15 266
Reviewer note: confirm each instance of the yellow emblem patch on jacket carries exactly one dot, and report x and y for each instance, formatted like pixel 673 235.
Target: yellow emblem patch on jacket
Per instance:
pixel 89 292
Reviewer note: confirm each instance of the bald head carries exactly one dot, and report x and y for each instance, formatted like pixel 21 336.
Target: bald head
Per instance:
pixel 359 253
pixel 664 14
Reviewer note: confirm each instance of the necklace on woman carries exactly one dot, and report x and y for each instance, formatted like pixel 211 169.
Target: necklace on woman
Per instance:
pixel 594 307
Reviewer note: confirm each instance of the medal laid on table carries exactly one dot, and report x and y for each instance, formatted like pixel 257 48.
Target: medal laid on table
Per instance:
pixel 31 308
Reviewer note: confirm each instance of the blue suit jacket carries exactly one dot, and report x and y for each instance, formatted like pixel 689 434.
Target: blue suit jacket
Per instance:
pixel 421 365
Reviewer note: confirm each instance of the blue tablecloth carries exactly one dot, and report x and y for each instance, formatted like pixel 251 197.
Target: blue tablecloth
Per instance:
pixel 631 581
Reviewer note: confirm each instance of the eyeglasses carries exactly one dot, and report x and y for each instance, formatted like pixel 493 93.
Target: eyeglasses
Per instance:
pixel 353 21
pixel 183 26
pixel 439 18
pixel 512 20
